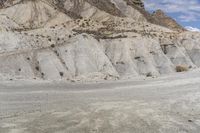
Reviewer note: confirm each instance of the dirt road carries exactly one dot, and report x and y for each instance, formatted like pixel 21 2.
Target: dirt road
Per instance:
pixel 169 104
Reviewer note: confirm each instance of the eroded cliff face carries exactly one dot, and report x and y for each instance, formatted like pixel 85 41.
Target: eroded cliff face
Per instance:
pixel 166 21
pixel 77 9
pixel 89 40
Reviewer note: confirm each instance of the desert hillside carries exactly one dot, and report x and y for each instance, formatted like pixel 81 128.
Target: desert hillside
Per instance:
pixel 91 40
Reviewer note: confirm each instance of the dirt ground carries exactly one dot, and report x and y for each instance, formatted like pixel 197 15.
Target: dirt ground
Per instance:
pixel 168 104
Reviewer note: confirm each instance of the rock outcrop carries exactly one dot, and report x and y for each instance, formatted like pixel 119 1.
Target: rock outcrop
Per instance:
pixel 89 40
pixel 161 18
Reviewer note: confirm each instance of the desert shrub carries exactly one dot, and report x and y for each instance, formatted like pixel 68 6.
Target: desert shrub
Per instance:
pixel 53 45
pixel 56 52
pixel 137 57
pixel 120 62
pixel 61 74
pixel 149 74
pixel 37 68
pixel 181 68
pixel 42 75
pixel 83 25
pixel 87 23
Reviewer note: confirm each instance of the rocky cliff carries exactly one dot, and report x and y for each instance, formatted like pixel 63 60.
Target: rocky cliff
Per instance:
pixel 161 18
pixel 89 40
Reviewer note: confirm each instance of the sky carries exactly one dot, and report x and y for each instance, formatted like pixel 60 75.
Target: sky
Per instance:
pixel 185 12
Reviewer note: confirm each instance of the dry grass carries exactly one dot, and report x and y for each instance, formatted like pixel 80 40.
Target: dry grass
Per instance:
pixel 181 68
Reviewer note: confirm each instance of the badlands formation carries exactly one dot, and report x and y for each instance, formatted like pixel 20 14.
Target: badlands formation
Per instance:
pixel 45 41
pixel 84 40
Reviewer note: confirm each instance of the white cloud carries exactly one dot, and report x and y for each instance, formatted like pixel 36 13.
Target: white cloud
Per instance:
pixel 192 29
pixel 188 10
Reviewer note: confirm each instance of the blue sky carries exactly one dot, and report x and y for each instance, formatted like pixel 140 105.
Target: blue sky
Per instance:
pixel 186 12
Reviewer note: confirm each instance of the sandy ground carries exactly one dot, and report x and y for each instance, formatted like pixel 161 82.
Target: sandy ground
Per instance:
pixel 169 104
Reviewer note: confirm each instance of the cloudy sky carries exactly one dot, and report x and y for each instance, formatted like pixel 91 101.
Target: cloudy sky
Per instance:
pixel 186 12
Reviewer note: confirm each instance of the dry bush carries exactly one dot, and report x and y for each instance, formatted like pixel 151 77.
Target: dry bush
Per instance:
pixel 149 74
pixel 181 68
